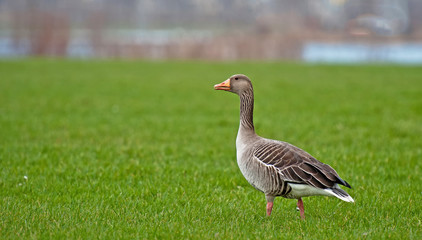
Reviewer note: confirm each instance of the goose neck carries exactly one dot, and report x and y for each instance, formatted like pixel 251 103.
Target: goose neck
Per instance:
pixel 246 110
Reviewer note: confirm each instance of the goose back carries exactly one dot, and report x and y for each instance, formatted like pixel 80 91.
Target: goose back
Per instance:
pixel 273 167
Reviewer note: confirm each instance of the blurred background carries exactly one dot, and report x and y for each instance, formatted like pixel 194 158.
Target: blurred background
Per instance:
pixel 345 31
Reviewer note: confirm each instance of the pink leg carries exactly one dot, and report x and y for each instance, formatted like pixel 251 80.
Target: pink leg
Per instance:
pixel 301 208
pixel 269 208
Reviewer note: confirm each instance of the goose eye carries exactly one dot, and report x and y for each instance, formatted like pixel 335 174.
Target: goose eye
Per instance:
pixel 235 78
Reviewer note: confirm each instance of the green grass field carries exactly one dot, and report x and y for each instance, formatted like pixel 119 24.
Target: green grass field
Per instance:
pixel 146 150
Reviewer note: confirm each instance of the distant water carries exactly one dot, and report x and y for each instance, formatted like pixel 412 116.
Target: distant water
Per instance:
pixel 400 53
pixel 80 46
pixel 314 52
pixel 76 48
pixel 10 49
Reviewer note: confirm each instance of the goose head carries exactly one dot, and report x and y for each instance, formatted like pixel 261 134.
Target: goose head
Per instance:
pixel 237 83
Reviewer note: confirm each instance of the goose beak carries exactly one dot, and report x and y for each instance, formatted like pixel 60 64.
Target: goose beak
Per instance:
pixel 223 86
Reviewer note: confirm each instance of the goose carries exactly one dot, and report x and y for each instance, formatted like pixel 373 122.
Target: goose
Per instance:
pixel 278 168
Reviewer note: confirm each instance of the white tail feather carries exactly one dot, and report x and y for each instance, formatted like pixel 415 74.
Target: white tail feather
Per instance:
pixel 303 190
pixel 340 194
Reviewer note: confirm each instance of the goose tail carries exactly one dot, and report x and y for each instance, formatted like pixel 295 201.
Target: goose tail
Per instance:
pixel 340 194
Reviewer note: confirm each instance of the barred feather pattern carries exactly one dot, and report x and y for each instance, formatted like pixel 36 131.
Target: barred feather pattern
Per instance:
pixel 264 178
pixel 293 165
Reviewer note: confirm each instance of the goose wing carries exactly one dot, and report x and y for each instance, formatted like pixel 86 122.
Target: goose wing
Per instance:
pixel 297 166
